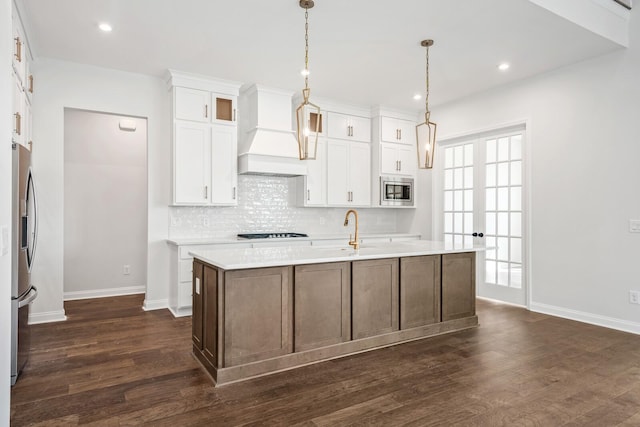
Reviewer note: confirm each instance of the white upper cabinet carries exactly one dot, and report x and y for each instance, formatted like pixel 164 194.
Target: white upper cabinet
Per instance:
pixel 313 186
pixel 397 159
pixel 192 104
pixel 397 130
pixel 18 111
pixel 204 106
pixel 205 140
pixel 19 57
pixel 22 84
pixel 224 189
pixel 345 126
pixel 348 173
pixel 192 163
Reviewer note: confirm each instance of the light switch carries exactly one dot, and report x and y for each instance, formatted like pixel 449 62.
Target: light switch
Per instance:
pixel 634 226
pixel 198 285
pixel 5 240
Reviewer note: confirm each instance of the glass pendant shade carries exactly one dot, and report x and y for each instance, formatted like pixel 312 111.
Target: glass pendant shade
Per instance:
pixel 308 127
pixel 426 137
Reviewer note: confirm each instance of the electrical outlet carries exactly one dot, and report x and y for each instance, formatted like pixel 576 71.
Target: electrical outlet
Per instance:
pixel 634 226
pixel 634 297
pixel 175 221
pixel 205 221
pixel 126 270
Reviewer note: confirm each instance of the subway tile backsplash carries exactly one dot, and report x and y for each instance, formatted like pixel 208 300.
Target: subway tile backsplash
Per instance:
pixel 267 203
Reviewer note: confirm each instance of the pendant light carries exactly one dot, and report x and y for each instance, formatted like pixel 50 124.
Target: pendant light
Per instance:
pixel 426 131
pixel 308 119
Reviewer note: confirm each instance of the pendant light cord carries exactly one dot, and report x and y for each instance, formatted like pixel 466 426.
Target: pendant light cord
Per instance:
pixel 426 98
pixel 306 48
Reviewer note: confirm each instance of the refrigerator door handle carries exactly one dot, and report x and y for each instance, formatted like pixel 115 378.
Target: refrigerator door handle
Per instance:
pixel 28 298
pixel 33 214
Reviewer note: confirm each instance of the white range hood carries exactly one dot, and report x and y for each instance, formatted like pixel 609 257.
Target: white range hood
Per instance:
pixel 266 142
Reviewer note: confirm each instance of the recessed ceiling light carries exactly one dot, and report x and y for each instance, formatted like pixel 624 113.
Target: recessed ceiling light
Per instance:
pixel 504 66
pixel 105 27
pixel 417 96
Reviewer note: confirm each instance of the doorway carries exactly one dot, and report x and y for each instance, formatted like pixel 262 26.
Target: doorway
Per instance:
pixel 105 204
pixel 480 198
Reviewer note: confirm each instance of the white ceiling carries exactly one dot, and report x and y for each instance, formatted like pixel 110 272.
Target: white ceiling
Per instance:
pixel 362 51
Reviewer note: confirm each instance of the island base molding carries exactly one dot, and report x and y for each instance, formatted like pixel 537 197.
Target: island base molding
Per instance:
pixel 233 374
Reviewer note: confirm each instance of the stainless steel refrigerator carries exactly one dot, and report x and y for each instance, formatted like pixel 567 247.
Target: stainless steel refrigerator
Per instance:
pixel 24 221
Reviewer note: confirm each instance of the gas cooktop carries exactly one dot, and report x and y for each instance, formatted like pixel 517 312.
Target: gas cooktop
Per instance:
pixel 270 235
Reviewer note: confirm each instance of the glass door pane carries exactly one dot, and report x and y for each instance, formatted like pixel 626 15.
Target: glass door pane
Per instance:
pixel 458 194
pixel 503 211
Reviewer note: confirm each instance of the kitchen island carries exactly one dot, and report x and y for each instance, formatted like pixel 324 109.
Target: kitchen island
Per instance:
pixel 263 310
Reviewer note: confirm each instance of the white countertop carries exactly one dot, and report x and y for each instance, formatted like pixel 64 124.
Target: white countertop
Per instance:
pixel 238 259
pixel 214 241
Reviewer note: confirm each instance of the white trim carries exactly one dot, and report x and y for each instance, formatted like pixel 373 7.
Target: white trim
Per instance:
pixel 47 317
pixel 102 293
pixel 590 318
pixel 181 312
pixel 156 304
pixel 497 301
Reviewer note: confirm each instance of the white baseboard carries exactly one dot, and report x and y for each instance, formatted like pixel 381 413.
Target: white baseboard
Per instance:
pixel 102 293
pixel 181 312
pixel 47 317
pixel 157 304
pixel 581 316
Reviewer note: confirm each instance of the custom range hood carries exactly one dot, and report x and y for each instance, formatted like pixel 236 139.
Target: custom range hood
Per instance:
pixel 266 141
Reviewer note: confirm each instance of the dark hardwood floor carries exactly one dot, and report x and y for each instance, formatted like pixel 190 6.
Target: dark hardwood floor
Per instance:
pixel 111 363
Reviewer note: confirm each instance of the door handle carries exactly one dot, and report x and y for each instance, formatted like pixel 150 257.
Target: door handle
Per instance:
pixel 18 53
pixel 33 294
pixel 206 111
pixel 308 195
pixel 477 235
pixel 234 193
pixel 206 191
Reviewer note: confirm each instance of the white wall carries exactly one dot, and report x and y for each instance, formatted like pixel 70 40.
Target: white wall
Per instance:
pixel 5 207
pixel 69 85
pixel 105 205
pixel 585 173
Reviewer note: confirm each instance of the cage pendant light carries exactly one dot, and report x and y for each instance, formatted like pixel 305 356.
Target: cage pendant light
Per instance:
pixel 308 119
pixel 426 131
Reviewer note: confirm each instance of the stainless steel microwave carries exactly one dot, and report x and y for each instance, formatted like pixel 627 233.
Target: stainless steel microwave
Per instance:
pixel 396 191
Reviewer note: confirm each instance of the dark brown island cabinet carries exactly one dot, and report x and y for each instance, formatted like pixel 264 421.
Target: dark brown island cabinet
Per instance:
pixel 256 321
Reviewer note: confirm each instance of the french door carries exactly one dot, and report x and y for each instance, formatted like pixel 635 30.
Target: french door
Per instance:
pixel 479 199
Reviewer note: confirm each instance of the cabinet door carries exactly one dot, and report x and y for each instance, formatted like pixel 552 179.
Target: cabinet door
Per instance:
pixel 315 183
pixel 192 104
pixel 197 304
pixel 389 159
pixel 360 173
pixel 18 112
pixel 322 313
pixel 407 160
pixel 224 165
pixel 360 129
pixel 458 285
pixel 389 130
pixel 374 293
pixel 406 132
pixel 192 163
pixel 258 313
pixel 337 172
pixel 19 56
pixel 339 126
pixel 210 319
pixel 224 107
pixel 419 291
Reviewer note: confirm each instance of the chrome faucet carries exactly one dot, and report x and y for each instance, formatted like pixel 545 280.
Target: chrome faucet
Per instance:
pixel 352 242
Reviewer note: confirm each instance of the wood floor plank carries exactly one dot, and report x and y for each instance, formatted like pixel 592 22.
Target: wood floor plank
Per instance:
pixel 111 363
